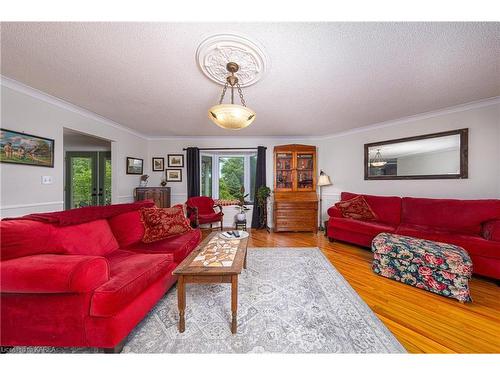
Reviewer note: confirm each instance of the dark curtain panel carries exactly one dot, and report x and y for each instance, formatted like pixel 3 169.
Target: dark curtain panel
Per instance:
pixel 260 180
pixel 193 171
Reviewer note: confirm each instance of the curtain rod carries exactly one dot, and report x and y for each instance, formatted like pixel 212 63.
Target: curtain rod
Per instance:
pixel 225 148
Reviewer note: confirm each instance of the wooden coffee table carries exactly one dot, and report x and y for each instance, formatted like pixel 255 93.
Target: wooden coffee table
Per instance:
pixel 215 260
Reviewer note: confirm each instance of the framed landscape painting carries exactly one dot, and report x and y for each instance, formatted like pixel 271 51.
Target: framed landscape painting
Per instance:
pixel 174 175
pixel 176 160
pixel 135 165
pixel 28 149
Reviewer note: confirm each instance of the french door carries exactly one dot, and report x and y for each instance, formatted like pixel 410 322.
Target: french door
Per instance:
pixel 88 179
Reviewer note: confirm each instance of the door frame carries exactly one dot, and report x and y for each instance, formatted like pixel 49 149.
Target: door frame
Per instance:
pixel 67 188
pixel 98 166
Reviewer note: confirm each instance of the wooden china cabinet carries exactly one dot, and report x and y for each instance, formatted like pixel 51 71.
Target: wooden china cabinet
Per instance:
pixel 295 206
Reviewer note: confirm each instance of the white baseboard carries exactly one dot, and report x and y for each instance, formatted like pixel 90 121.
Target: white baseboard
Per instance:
pixel 125 199
pixel 15 210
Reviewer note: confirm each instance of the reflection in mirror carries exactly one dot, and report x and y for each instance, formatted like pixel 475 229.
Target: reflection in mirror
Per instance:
pixel 441 155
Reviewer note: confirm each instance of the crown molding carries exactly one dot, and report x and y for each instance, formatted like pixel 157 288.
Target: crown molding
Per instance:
pixel 420 116
pixel 25 89
pixel 38 94
pixel 379 125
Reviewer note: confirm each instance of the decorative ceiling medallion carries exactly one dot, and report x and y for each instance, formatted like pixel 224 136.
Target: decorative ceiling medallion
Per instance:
pixel 216 51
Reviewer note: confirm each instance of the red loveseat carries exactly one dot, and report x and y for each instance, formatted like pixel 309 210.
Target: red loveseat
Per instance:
pixel 471 224
pixel 82 277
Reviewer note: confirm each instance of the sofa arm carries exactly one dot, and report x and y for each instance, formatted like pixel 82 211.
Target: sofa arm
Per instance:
pixel 50 273
pixel 491 230
pixel 334 212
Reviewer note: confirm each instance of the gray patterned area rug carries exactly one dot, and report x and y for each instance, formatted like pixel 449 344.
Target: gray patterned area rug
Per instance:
pixel 290 300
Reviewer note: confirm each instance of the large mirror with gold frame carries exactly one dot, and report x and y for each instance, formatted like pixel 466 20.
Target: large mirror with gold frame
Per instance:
pixel 430 156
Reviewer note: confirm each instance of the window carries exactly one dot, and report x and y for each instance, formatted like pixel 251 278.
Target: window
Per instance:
pixel 223 174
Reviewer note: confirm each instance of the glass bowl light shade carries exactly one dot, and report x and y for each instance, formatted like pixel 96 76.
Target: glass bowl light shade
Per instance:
pixel 231 116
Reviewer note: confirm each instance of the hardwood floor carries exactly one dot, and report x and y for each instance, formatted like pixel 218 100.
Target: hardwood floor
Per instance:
pixel 422 321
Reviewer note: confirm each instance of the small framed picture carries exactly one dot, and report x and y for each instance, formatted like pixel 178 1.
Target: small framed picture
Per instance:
pixel 175 160
pixel 158 164
pixel 135 165
pixel 174 175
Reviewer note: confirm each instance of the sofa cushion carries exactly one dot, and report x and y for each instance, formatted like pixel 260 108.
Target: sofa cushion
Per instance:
pixel 453 215
pixel 180 246
pixel 92 238
pixel 26 237
pixel 356 208
pixel 84 214
pixel 161 223
pixel 371 228
pixel 130 274
pixel 475 245
pixel 208 218
pixel 387 209
pixel 127 228
pixel 205 205
pixel 51 273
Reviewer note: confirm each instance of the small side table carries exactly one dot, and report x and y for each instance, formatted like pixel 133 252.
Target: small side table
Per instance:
pixel 240 225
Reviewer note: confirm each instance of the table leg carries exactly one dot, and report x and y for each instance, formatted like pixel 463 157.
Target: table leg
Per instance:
pixel 245 260
pixel 181 302
pixel 234 302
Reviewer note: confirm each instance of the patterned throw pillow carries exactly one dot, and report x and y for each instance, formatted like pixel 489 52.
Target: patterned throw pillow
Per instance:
pixel 356 208
pixel 161 223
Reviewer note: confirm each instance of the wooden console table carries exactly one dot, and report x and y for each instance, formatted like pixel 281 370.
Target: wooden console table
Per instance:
pixel 160 195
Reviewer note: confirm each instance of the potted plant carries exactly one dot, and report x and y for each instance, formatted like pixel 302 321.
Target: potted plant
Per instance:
pixel 241 216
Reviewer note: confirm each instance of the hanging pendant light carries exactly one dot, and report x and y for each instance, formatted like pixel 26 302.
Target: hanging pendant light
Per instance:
pixel 231 116
pixel 377 161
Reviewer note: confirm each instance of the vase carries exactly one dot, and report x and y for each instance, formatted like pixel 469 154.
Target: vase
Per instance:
pixel 241 217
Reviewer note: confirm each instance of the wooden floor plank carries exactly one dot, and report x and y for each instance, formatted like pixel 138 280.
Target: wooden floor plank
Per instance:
pixel 422 321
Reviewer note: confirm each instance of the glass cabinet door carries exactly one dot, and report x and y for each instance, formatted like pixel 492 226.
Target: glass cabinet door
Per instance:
pixel 284 171
pixel 305 171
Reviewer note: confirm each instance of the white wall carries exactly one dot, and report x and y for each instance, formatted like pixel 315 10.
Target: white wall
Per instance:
pixel 30 111
pixel 79 142
pixel 342 157
pixel 441 162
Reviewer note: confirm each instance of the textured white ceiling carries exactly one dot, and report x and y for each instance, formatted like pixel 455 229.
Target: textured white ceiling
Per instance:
pixel 322 78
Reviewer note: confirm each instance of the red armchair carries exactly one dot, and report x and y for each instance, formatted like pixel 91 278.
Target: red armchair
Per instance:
pixel 201 210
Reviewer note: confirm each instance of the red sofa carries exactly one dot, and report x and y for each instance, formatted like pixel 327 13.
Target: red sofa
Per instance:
pixel 82 278
pixel 471 224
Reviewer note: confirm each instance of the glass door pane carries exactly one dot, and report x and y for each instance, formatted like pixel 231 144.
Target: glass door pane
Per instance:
pixel 284 170
pixel 231 176
pixel 305 171
pixel 206 175
pixel 104 195
pixel 81 188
